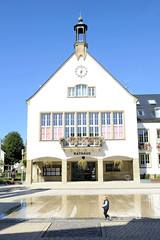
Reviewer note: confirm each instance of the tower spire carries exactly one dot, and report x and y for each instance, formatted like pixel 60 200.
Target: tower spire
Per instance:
pixel 80 45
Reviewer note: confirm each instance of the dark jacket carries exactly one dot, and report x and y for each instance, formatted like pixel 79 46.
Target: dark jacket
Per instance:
pixel 106 204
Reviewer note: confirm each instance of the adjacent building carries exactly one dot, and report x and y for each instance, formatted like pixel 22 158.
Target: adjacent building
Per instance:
pixel 148 118
pixel 82 124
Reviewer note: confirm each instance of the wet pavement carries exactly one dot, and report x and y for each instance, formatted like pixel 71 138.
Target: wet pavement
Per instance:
pixel 46 214
pixel 86 206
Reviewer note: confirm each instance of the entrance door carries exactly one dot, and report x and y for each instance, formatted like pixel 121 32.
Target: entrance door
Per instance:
pixel 89 174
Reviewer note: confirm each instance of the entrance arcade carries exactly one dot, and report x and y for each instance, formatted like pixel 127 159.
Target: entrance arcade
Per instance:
pixel 79 174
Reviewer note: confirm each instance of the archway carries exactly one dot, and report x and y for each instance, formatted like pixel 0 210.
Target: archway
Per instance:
pixel 46 169
pixel 117 168
pixel 82 168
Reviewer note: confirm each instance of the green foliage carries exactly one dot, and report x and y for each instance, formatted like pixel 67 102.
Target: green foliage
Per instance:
pixel 12 145
pixel 18 176
pixel 147 176
pixel 82 164
pixel 157 177
pixel 119 164
pixel 25 159
pixel 1 163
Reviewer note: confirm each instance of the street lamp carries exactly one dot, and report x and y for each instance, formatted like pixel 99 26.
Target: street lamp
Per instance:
pixel 22 166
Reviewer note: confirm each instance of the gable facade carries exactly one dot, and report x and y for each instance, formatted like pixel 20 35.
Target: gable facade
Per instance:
pixel 82 115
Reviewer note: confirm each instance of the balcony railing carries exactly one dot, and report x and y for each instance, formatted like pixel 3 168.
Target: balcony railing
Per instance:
pixel 82 142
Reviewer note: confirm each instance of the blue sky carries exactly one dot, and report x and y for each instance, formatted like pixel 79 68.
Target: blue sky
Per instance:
pixel 37 36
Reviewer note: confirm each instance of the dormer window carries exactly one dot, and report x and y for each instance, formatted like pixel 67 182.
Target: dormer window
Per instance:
pixel 152 102
pixel 157 112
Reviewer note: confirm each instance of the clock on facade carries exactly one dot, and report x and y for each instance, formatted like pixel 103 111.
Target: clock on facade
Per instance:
pixel 81 71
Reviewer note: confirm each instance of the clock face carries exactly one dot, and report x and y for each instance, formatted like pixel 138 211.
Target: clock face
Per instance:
pixel 81 71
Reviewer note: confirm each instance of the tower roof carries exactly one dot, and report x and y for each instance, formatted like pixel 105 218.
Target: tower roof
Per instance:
pixel 80 24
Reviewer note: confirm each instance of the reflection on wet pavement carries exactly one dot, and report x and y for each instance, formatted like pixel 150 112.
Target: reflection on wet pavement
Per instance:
pixel 88 206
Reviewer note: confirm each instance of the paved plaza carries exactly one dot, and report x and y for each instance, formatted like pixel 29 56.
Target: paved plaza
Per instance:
pixel 58 212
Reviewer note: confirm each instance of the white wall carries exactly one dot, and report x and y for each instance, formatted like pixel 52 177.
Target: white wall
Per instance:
pixel 110 96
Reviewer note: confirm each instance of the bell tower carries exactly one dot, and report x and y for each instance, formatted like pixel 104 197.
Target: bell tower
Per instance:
pixel 80 45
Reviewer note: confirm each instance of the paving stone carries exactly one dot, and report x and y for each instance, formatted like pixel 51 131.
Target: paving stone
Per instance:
pixel 134 229
pixel 22 230
pixel 89 229
pixel 92 229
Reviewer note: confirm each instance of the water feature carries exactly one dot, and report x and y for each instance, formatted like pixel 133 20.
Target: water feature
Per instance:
pixel 86 206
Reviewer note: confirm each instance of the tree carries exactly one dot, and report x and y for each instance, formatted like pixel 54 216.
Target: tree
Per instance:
pixel 1 164
pixel 13 145
pixel 24 159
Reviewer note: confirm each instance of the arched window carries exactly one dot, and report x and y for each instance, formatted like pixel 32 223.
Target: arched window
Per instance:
pixel 81 90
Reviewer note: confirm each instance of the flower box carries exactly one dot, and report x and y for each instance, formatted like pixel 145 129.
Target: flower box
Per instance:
pixel 145 146
pixel 158 146
pixel 82 141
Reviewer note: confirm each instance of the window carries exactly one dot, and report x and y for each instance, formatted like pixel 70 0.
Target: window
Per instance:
pixel 118 129
pixel 57 126
pixel 110 167
pixel 71 92
pixel 93 124
pixel 158 135
pixel 81 90
pixel 69 125
pixel 91 91
pixel 52 171
pixel 106 125
pixel 157 112
pixel 45 126
pixel 152 102
pixel 81 124
pixel 144 160
pixel 54 126
pixel 142 135
pixel 140 112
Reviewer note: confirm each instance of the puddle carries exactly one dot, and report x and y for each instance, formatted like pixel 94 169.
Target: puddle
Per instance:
pixel 86 206
pixel 13 209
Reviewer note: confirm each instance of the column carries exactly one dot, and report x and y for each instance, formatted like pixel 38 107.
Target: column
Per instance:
pixel 100 170
pixel 64 171
pixel 29 172
pixel 136 173
pixel 35 172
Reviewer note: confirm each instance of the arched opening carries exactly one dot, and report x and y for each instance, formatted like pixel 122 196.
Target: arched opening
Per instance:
pixel 117 168
pixel 82 168
pixel 46 169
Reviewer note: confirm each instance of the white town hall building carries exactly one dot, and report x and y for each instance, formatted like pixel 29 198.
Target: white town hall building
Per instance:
pixel 82 124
